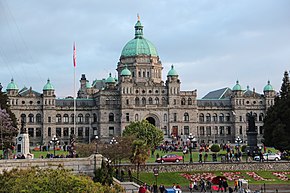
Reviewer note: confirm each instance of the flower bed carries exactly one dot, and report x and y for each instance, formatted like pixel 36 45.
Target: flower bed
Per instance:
pixel 198 176
pixel 256 177
pixel 282 175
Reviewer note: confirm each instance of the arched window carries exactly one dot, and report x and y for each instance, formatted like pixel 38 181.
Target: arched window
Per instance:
pixel 150 101
pixel 95 118
pixel 136 117
pixel 261 117
pixel 163 101
pixel 65 118
pixel 201 118
pixel 87 118
pixel 201 130
pixel 111 117
pixel 165 117
pixel 186 117
pixel 221 118
pixel 255 115
pixel 80 118
pixel 31 118
pixel 137 101
pixel 72 118
pixel 189 101
pixel 38 118
pixel 157 101
pixel 214 117
pixel 228 117
pixel 208 118
pixel 183 101
pixel 143 101
pixel 23 118
pixel 58 118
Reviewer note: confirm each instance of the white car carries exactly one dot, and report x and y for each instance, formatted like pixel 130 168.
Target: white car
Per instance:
pixel 269 156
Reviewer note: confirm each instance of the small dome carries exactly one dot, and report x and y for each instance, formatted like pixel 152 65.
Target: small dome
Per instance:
pixel 110 79
pixel 268 87
pixel 237 87
pixel 139 45
pixel 172 72
pixel 125 72
pixel 48 86
pixel 12 85
pixel 88 85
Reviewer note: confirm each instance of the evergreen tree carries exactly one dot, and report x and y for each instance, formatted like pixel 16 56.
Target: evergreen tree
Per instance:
pixel 277 120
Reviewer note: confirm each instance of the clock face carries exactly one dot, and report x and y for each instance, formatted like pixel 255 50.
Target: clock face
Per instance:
pixel 19 138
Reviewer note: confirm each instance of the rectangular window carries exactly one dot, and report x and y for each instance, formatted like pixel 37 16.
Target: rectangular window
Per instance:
pixel 241 119
pixel 80 132
pixel 49 119
pixel 229 130
pixel 72 131
pixel 95 130
pixel 201 129
pixel 87 131
pixel 261 130
pixel 222 130
pixel 31 132
pixel 111 131
pixel 241 130
pixel 65 119
pixel 127 117
pixel 58 132
pixel 175 117
pixel 65 132
pixel 208 131
pixel 186 130
pixel 38 132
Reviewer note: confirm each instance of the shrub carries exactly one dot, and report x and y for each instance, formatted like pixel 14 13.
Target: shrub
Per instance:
pixel 243 148
pixel 215 148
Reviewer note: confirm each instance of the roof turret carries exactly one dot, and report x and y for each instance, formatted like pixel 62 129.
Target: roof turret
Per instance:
pixel 48 86
pixel 172 71
pixel 125 71
pixel 110 79
pixel 268 87
pixel 237 87
pixel 88 85
pixel 12 85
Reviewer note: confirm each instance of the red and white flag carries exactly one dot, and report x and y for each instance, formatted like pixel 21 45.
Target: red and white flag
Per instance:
pixel 75 55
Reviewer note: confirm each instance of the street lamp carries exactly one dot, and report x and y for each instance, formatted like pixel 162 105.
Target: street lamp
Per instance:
pixel 113 141
pixel 96 138
pixel 190 139
pixel 54 141
pixel 238 141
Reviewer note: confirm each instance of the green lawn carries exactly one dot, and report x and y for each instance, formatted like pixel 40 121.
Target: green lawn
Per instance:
pixel 169 178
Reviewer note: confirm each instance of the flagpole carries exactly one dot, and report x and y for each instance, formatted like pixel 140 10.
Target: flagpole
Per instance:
pixel 74 62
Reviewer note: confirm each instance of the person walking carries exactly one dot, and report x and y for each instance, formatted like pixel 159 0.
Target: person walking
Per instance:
pixel 220 185
pixel 225 185
pixel 161 188
pixel 195 185
pixel 200 157
pixel 155 188
pixel 202 185
pixel 190 186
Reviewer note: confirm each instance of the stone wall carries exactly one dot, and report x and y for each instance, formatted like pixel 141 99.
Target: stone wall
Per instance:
pixel 244 166
pixel 77 165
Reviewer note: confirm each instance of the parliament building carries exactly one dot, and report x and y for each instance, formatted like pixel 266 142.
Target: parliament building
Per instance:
pixel 105 106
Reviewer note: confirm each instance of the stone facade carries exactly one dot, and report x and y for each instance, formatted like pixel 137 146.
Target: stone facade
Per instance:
pixel 106 106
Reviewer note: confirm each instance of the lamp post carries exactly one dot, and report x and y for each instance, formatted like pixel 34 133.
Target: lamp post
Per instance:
pixel 190 139
pixel 156 172
pixel 96 138
pixel 113 142
pixel 54 141
pixel 238 141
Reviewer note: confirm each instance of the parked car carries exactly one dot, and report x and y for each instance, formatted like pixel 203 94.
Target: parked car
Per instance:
pixel 169 158
pixel 269 156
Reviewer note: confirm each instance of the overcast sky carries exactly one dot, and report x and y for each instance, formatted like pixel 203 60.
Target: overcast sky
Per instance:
pixel 211 43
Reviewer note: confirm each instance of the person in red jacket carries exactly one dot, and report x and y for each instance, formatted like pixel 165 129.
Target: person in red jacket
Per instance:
pixel 142 189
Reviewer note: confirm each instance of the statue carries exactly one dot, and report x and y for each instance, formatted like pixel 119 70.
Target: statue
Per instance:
pixel 251 122
pixel 22 129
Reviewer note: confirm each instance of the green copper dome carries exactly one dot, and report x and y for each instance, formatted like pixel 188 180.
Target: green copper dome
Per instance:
pixel 12 85
pixel 237 87
pixel 125 72
pixel 172 72
pixel 88 85
pixel 139 45
pixel 48 86
pixel 268 87
pixel 110 79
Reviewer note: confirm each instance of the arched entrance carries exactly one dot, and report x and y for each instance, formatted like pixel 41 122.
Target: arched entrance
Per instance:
pixel 151 120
